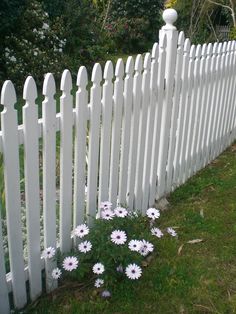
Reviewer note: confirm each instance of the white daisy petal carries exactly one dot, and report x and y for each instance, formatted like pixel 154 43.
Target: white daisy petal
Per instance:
pixel 98 268
pixel 133 271
pixel 85 246
pixel 121 212
pixel 171 231
pixel 153 213
pixel 56 273
pixel 49 252
pixel 134 245
pixel 106 205
pixel 107 214
pixel 157 232
pixel 98 283
pixel 118 237
pixel 81 231
pixel 70 263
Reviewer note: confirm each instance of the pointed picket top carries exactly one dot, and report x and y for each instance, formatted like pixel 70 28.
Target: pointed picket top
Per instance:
pixel 232 46
pixel 66 81
pixel 215 47
pixel 219 49
pixel 187 45
pixel 49 86
pixel 155 51
pixel 198 51
pixel 209 49
pixel 96 74
pixel 82 77
pixel 147 61
pixel 192 52
pixel 108 71
pixel 8 95
pixel 224 48
pixel 119 70
pixel 30 90
pixel 129 67
pixel 181 39
pixel 204 50
pixel 228 46
pixel 163 42
pixel 138 63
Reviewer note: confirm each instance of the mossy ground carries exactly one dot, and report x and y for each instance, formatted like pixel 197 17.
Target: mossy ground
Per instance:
pixel 184 277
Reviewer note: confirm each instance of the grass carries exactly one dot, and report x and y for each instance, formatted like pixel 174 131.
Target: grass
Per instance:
pixel 184 277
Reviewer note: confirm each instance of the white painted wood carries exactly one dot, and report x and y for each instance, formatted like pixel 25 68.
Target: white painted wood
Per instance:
pixel 150 129
pixel 134 130
pixel 66 151
pixel 188 116
pixel 106 127
pixel 116 131
pixel 31 168
pixel 4 300
pixel 171 53
pixel 81 114
pixel 145 104
pixel 202 105
pixel 157 120
pixel 217 100
pixel 175 112
pixel 126 130
pixel 232 120
pixel 49 174
pixel 196 104
pixel 194 77
pixel 12 192
pixel 94 132
pixel 182 114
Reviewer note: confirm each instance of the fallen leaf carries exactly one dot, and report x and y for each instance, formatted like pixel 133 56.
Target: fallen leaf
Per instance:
pixel 202 213
pixel 195 241
pixel 180 248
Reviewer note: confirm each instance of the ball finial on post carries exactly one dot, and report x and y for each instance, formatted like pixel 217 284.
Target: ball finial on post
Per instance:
pixel 169 16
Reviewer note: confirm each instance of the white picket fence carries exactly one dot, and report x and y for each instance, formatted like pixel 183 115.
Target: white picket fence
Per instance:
pixel 136 134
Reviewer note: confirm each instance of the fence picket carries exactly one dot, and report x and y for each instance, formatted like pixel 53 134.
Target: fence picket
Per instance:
pixel 4 300
pixel 94 134
pixel 31 167
pixel 107 106
pixel 150 129
pixel 157 120
pixel 176 99
pixel 116 131
pixel 81 114
pixel 126 130
pixel 145 104
pixel 49 174
pixel 134 130
pixel 233 119
pixel 12 192
pixel 66 107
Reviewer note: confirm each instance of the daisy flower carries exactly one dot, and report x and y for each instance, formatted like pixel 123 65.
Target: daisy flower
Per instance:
pixel 172 232
pixel 81 230
pixel 147 245
pixel 106 294
pixel 107 214
pixel 49 252
pixel 56 273
pixel 98 283
pixel 133 271
pixel 121 212
pixel 118 237
pixel 157 232
pixel 134 245
pixel 70 263
pixel 153 213
pixel 98 268
pixel 106 205
pixel 85 246
pixel 143 251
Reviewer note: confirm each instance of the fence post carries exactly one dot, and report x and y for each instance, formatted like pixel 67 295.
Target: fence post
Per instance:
pixel 169 16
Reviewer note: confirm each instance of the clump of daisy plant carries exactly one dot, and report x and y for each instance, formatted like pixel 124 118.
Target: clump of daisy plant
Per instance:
pixel 112 250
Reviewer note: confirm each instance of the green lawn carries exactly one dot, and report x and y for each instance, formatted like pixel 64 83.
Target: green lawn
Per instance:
pixel 183 277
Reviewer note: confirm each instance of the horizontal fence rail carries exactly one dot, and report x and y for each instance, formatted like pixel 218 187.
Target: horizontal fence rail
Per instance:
pixel 131 136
